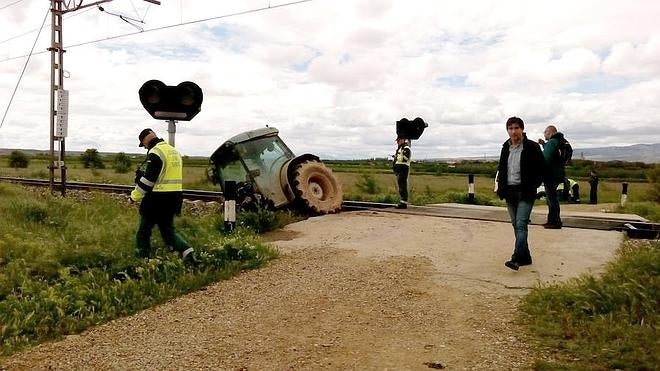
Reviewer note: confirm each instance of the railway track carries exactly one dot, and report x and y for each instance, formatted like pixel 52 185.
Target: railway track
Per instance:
pixel 633 225
pixel 189 194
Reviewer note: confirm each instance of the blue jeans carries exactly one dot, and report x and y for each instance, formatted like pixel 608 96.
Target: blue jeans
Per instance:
pixel 519 212
pixel 553 202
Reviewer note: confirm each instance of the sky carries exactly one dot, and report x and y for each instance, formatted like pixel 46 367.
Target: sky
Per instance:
pixel 334 76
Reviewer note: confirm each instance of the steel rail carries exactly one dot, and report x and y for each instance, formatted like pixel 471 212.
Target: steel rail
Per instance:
pixel 189 194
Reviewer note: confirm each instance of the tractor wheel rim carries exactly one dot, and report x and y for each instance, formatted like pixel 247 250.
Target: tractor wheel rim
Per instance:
pixel 316 189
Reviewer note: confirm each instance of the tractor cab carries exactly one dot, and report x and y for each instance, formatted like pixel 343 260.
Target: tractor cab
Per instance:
pixel 253 160
pixel 267 173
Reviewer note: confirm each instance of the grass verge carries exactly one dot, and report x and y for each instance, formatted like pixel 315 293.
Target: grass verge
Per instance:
pixel 66 265
pixel 599 323
pixel 647 209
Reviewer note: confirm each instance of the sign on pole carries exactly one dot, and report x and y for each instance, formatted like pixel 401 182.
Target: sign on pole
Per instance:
pixel 62 113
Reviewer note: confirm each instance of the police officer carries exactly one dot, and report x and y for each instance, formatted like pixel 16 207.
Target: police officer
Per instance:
pixel 593 187
pixel 159 188
pixel 574 188
pixel 401 167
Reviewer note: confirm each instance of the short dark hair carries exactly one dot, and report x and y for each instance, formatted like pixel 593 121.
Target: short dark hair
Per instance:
pixel 515 120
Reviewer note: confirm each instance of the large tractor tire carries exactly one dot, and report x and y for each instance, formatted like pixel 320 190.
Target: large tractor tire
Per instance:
pixel 316 188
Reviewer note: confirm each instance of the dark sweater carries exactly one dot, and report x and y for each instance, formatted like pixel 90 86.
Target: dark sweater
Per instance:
pixel 532 168
pixel 555 172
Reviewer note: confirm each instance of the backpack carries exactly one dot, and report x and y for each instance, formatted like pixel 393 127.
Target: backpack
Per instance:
pixel 565 151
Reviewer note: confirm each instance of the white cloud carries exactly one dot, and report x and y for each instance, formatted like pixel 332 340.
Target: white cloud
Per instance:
pixel 334 76
pixel 635 60
pixel 533 69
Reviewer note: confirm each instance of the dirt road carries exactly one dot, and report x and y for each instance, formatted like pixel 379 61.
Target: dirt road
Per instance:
pixel 356 290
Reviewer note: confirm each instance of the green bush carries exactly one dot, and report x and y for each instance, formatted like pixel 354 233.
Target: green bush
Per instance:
pixel 92 159
pixel 122 163
pixel 18 159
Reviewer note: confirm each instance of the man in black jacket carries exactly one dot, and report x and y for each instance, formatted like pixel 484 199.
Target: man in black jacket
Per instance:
pixel 520 172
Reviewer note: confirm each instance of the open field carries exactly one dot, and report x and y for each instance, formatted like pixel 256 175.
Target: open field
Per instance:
pixel 425 186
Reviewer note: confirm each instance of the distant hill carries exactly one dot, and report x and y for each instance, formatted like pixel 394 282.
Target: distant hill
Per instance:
pixel 648 153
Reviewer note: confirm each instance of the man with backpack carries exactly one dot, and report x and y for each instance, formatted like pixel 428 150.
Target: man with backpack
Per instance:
pixel 556 152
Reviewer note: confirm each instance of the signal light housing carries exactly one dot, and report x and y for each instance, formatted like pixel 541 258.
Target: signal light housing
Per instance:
pixel 163 102
pixel 410 129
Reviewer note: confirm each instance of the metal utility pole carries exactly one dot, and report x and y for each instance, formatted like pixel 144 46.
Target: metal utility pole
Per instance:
pixel 56 84
pixel 59 98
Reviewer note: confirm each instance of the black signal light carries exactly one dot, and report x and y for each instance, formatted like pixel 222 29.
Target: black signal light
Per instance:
pixel 163 102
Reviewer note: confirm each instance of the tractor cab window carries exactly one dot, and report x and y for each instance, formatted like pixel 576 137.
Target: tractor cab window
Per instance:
pixel 274 151
pixel 232 170
pixel 264 156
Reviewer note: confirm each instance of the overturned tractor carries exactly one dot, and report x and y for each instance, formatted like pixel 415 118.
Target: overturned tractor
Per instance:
pixel 268 174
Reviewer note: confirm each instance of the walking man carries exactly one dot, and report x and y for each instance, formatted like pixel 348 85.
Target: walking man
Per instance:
pixel 520 172
pixel 159 190
pixel 554 174
pixel 401 167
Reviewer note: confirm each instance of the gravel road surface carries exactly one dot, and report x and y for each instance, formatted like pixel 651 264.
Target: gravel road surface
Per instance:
pixel 357 290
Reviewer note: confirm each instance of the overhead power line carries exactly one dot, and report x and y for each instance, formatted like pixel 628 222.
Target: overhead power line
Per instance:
pixel 39 29
pixel 256 10
pixel 8 5
pixel 24 67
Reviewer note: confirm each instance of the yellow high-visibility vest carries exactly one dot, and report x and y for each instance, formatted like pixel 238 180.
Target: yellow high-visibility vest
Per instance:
pixel 170 178
pixel 399 156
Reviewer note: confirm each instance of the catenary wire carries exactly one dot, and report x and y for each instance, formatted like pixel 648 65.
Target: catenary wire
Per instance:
pixel 23 71
pixel 137 14
pixel 37 29
pixel 8 5
pixel 124 18
pixel 171 26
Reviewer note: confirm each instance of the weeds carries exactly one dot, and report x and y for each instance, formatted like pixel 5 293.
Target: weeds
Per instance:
pixel 67 265
pixel 368 184
pixel 264 220
pixel 610 322
pixel 427 197
pixel 649 210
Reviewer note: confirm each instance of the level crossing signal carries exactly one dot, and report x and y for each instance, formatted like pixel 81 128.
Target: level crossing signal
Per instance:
pixel 163 102
pixel 410 129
